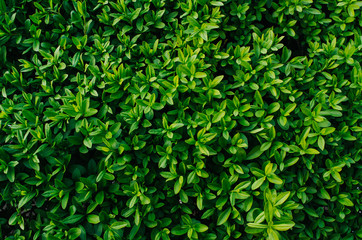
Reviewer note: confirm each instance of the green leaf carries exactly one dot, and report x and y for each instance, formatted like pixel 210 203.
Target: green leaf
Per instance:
pixel 193 22
pixel 11 174
pixel 200 227
pixel 74 233
pixel 282 121
pixel 203 35
pixel 77 42
pixel 252 230
pixel 268 168
pixel 283 225
pixel 321 142
pixel 273 107
pixel 291 161
pixel 90 112
pixel 26 199
pixel 2 6
pixel 289 109
pixel 223 216
pixel 200 75
pixel 100 197
pixel 274 179
pixel 258 98
pixel 216 3
pixel 87 142
pixel 178 230
pixel 13 219
pixel 218 116
pixel 265 146
pixel 273 235
pixel 199 202
pixel 178 184
pixel 327 131
pixel 120 224
pixel 254 153
pixel 336 176
pixel 257 225
pixel 282 197
pixel 313 11
pixel 72 219
pixel 304 135
pixel 157 106
pixel 312 151
pixel 208 213
pixel 134 231
pixel 258 183
pixel 133 201
pixel 216 81
pixel 242 195
pixel 359 233
pixel 325 194
pixel 333 113
pixel 100 176
pixel 346 202
pixel 350 11
pixel 311 212
pixel 93 219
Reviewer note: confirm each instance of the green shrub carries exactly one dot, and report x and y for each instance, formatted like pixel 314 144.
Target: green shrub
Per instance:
pixel 189 119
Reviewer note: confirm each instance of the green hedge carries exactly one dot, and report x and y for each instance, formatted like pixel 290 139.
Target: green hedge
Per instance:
pixel 188 119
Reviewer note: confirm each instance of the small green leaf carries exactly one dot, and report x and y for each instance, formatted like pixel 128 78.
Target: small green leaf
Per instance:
pixel 311 212
pixel 346 202
pixel 200 227
pixel 282 197
pixel 291 161
pixel 74 233
pixel 13 219
pixel 93 219
pixel 336 176
pixel 321 142
pixel 178 230
pixel 208 213
pixel 252 230
pixel 120 224
pixel 274 179
pixel 282 121
pixel 87 142
pixel 200 75
pixel 223 216
pixel 72 219
pixel 333 113
pixel 289 109
pixel 157 106
pixel 327 131
pixel 254 153
pixel 100 197
pixel 26 199
pixel 217 3
pixel 283 225
pixel 218 116
pixel 312 151
pixel 265 146
pixel 273 107
pixel 258 98
pixel 178 184
pixel 257 225
pixel 325 194
pixel 258 183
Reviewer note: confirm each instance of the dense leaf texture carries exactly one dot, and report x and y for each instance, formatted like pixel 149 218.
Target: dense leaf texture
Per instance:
pixel 190 119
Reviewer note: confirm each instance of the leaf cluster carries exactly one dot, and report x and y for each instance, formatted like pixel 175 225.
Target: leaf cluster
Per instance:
pixel 190 119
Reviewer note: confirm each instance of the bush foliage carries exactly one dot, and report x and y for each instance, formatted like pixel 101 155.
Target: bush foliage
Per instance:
pixel 189 119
